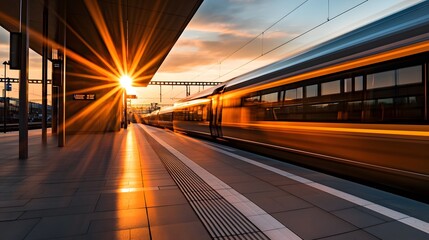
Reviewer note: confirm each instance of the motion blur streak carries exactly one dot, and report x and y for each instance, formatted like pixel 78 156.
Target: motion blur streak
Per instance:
pixel 423 133
pixel 384 56
pixel 98 19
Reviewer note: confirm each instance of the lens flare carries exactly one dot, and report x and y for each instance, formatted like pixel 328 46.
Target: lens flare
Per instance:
pixel 125 81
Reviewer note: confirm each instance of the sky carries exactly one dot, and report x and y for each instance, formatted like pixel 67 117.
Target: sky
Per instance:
pixel 227 38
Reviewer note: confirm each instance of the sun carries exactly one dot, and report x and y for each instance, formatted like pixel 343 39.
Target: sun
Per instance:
pixel 125 81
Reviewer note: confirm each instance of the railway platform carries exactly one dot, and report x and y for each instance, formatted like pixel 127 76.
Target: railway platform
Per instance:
pixel 149 183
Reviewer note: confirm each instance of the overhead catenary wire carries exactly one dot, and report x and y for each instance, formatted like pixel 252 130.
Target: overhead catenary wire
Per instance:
pixel 267 51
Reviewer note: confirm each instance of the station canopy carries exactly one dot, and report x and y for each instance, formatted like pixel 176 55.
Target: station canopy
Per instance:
pixel 131 35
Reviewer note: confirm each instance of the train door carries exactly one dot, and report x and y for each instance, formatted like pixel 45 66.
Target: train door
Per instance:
pixel 216 116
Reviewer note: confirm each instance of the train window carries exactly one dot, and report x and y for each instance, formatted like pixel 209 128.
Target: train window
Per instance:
pixel 348 85
pixel 323 112
pixel 291 112
pixel 299 93
pixel 332 87
pixel 270 97
pixel 410 108
pixel 292 94
pixel 353 111
pixel 359 83
pixel 381 79
pixel 409 75
pixel 251 100
pixel 379 110
pixel 312 90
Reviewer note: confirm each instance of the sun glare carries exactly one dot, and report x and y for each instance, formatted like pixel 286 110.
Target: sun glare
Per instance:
pixel 125 81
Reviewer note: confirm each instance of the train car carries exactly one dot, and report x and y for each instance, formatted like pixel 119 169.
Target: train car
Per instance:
pixel 193 116
pixel 165 118
pixel 356 105
pixel 153 118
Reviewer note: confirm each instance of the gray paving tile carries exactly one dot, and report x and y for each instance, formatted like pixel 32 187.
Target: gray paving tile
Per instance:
pixel 128 221
pixel 159 182
pixel 167 215
pixel 165 197
pixel 396 230
pixel 328 202
pixel 16 229
pixel 357 217
pixel 61 226
pixel 274 202
pixel 79 200
pixel 252 187
pixel 275 179
pixel 112 203
pixel 46 193
pixel 300 190
pixel 46 203
pixel 115 201
pixel 312 223
pixel 9 216
pixel 318 198
pixel 139 234
pixel 117 235
pixel 235 177
pixel 72 210
pixel 10 194
pixel 186 230
pixel 156 176
pixel 355 235
pixel 13 203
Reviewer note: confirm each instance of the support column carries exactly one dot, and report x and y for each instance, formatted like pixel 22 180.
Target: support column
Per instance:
pixel 45 73
pixel 61 106
pixel 62 86
pixel 54 102
pixel 23 83
pixel 125 110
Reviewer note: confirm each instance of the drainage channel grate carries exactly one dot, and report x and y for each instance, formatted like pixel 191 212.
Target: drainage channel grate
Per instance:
pixel 221 219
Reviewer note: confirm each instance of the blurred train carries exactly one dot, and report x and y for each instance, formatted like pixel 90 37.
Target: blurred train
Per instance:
pixel 356 105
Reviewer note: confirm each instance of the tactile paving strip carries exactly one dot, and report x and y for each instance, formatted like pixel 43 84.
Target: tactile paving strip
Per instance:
pixel 221 219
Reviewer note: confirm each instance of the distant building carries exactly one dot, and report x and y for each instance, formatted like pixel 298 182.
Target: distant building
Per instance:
pixel 12 107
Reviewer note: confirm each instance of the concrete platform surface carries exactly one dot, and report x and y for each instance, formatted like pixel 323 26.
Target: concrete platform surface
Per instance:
pixel 149 183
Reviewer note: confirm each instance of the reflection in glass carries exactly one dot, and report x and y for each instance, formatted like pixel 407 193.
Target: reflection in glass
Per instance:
pixel 381 79
pixel 270 97
pixel 295 93
pixel 409 75
pixel 251 100
pixel 312 90
pixel 332 87
pixel 359 83
pixel 347 85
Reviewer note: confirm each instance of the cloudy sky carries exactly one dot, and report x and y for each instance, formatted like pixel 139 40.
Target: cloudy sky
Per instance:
pixel 227 38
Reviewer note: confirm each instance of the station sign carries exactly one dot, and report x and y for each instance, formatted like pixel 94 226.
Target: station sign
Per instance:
pixel 84 96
